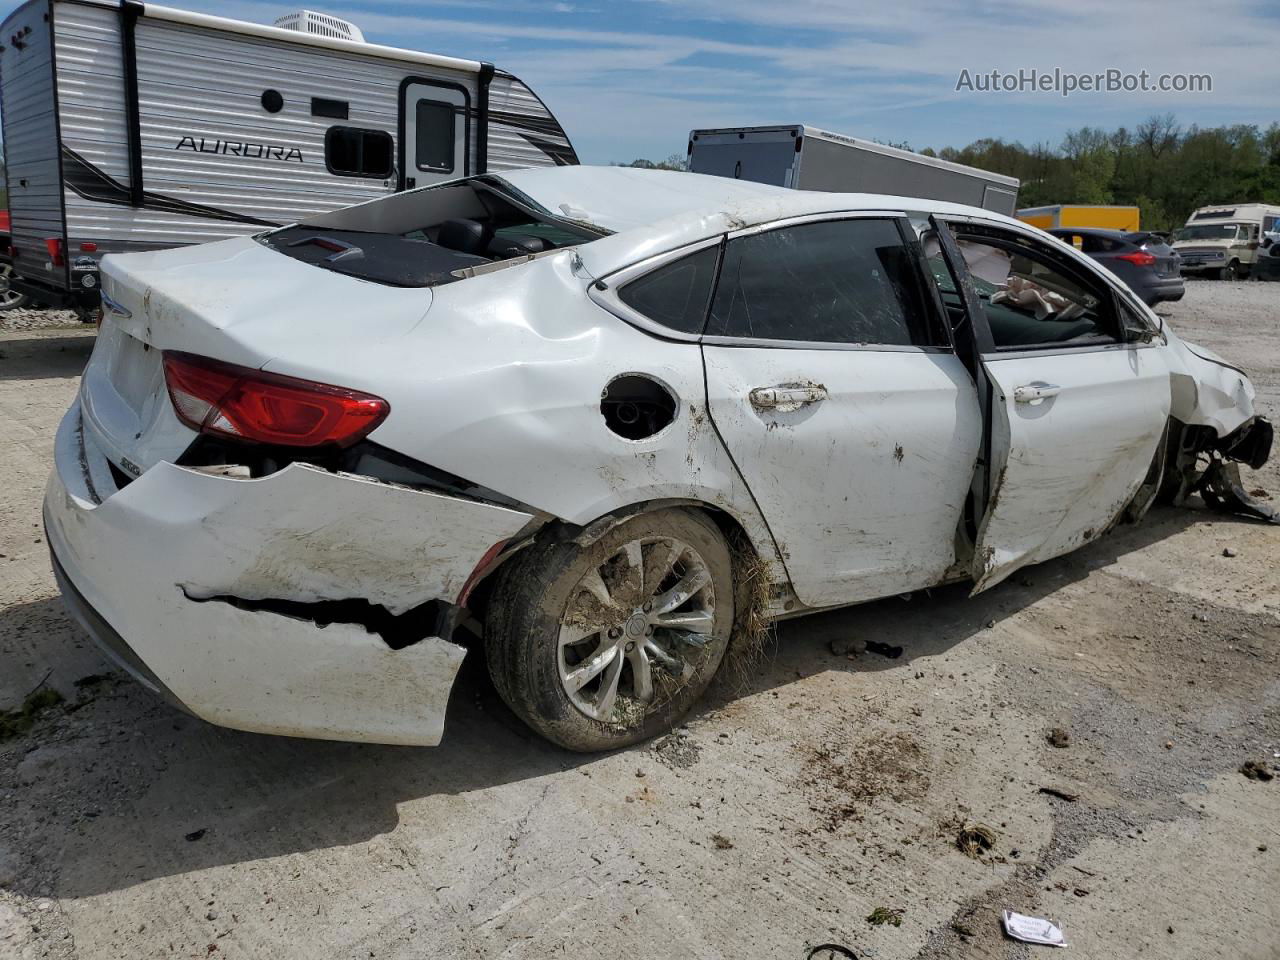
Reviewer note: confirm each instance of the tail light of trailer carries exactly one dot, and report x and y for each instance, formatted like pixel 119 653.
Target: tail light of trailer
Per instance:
pixel 57 252
pixel 1138 258
pixel 227 400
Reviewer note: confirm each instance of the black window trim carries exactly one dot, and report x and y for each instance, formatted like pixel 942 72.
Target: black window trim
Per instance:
pixel 363 130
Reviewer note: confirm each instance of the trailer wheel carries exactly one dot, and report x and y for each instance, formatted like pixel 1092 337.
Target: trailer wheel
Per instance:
pixel 10 299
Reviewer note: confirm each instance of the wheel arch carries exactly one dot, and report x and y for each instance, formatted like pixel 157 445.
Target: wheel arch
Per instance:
pixel 749 547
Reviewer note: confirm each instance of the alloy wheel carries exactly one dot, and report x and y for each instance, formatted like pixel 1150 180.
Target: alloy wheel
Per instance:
pixel 635 629
pixel 8 296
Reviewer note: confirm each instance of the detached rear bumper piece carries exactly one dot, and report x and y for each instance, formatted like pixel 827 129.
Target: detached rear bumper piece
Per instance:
pixel 200 585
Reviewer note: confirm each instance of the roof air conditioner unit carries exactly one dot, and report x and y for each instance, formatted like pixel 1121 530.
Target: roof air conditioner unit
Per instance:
pixel 320 25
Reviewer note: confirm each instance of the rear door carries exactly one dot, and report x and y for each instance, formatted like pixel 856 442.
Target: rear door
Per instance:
pixel 1078 405
pixel 435 132
pixel 831 380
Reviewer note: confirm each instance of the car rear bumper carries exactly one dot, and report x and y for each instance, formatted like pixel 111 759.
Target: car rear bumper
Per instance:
pixel 1162 289
pixel 199 585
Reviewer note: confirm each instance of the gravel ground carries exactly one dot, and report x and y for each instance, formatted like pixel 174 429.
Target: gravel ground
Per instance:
pixel 22 319
pixel 780 817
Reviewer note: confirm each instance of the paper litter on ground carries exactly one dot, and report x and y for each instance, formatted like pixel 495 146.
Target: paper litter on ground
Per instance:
pixel 1032 929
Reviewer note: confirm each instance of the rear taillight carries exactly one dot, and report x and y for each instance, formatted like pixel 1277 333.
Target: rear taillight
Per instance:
pixel 1139 258
pixel 247 404
pixel 55 248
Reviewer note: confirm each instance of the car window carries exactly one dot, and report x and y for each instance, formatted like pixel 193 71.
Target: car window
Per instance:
pixel 842 281
pixel 1029 300
pixel 676 294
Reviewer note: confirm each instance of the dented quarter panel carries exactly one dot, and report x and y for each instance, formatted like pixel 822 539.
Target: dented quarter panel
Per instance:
pixel 502 382
pixel 300 534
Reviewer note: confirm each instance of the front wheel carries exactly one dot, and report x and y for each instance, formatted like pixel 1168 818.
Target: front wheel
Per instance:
pixel 606 645
pixel 1231 271
pixel 10 299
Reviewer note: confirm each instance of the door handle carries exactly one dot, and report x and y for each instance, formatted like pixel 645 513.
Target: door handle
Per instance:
pixel 1035 392
pixel 786 399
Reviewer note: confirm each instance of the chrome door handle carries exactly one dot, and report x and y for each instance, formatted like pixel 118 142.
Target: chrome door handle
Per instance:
pixel 784 399
pixel 1035 392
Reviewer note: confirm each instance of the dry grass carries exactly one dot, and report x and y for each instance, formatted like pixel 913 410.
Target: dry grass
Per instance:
pixel 752 627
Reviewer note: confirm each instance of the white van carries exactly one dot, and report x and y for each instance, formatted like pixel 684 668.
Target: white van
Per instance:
pixel 1222 241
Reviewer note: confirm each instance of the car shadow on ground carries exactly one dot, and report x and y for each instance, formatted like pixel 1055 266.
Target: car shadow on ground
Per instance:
pixel 45 358
pixel 136 778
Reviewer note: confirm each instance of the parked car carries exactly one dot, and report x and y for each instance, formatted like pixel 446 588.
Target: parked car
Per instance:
pixel 1267 266
pixel 1143 260
pixel 605 417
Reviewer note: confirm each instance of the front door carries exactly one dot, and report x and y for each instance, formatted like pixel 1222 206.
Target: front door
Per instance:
pixel 854 425
pixel 436 133
pixel 1078 407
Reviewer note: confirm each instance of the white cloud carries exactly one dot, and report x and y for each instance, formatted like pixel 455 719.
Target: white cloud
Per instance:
pixel 878 68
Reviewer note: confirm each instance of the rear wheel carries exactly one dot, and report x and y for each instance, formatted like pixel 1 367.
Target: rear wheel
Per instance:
pixel 605 645
pixel 10 299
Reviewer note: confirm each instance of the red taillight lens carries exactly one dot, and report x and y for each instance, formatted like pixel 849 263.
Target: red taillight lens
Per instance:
pixel 54 246
pixel 1139 257
pixel 247 404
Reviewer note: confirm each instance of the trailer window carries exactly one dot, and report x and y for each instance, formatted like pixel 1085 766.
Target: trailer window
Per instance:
pixel 435 126
pixel 357 152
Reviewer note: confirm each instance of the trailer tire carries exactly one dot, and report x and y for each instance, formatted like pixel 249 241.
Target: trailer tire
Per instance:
pixel 10 299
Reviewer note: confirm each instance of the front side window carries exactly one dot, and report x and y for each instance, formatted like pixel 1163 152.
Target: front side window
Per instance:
pixel 676 294
pixel 1031 301
pixel 357 152
pixel 840 281
pixel 435 126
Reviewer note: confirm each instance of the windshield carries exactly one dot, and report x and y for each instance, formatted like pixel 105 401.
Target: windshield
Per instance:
pixel 1211 231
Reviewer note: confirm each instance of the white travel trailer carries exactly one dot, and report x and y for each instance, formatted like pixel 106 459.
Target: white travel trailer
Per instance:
pixel 1222 241
pixel 806 158
pixel 136 127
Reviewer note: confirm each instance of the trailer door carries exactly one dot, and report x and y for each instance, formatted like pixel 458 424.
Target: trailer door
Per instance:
pixel 436 132
pixel 762 156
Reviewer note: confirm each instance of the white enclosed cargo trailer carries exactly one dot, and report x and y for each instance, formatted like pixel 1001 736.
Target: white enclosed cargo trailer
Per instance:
pixel 807 158
pixel 129 126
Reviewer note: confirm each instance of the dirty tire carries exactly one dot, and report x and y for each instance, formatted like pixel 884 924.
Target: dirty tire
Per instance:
pixel 525 614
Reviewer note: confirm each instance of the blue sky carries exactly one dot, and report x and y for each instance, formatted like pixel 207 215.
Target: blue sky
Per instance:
pixel 630 79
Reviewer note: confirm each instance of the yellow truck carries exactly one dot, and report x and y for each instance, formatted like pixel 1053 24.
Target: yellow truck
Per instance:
pixel 1125 219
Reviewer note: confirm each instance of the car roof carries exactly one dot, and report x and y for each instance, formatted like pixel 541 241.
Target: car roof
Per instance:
pixel 653 211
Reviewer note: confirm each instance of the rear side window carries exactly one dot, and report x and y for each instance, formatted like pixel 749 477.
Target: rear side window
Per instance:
pixel 843 281
pixel 435 130
pixel 675 295
pixel 357 152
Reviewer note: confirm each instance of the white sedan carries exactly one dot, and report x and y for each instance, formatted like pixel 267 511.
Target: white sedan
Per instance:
pixel 599 417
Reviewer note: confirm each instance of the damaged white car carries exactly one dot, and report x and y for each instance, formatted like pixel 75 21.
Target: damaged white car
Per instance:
pixel 598 416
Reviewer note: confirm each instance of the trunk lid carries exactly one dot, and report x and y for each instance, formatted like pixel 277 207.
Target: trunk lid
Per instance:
pixel 234 300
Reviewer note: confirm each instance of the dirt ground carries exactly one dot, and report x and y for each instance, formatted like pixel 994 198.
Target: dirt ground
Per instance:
pixel 779 818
